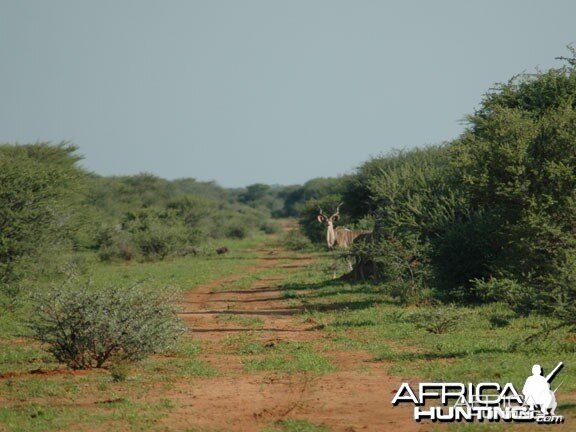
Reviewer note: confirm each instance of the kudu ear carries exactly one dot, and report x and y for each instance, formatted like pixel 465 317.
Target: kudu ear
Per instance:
pixel 321 218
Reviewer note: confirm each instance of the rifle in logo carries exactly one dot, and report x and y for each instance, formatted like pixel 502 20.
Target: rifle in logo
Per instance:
pixel 537 390
pixel 483 401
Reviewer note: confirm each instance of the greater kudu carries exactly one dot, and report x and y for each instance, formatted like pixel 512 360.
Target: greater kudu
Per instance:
pixel 339 237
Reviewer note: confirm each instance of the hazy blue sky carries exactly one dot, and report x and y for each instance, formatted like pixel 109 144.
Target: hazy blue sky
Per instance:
pixel 259 91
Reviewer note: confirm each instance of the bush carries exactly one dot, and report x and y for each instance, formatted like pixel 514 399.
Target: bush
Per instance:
pixel 38 185
pixel 517 165
pixel 296 241
pixel 439 320
pixel 490 216
pixel 237 231
pixel 87 327
pixel 116 244
pixel 415 202
pixel 119 372
pixel 159 218
pixel 269 227
pixel 296 197
pixel 148 234
pixel 159 241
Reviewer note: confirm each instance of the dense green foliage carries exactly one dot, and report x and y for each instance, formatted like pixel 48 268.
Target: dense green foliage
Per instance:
pixel 317 189
pixel 487 217
pixel 518 167
pixel 415 202
pixel 146 217
pixel 51 209
pixel 288 201
pixel 39 184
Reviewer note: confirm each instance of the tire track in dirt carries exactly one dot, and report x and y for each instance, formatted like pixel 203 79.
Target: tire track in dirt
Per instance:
pixel 203 306
pixel 356 397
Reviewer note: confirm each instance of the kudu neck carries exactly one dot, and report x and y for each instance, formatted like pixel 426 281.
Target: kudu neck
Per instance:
pixel 330 235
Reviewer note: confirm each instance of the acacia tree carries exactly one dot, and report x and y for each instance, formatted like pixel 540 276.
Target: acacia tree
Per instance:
pixel 517 163
pixel 38 185
pixel 415 201
pixel 492 215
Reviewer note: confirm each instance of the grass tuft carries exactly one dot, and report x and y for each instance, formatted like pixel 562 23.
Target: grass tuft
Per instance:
pixel 290 357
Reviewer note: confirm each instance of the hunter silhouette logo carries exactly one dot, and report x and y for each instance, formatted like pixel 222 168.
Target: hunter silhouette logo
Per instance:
pixel 485 401
pixel 537 390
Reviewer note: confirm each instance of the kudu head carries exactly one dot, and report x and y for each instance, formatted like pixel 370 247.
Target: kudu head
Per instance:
pixel 329 223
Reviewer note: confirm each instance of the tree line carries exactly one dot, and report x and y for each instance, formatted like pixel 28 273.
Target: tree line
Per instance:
pixel 489 216
pixel 51 208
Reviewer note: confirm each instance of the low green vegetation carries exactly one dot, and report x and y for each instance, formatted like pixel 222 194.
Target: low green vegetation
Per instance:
pixel 439 343
pixel 179 272
pixel 294 425
pixel 86 326
pixel 39 394
pixel 290 357
pixel 131 415
pixel 295 240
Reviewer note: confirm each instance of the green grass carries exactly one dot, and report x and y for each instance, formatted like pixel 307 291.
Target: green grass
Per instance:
pixel 290 357
pixel 170 369
pixel 462 344
pixel 434 343
pixel 38 402
pixel 249 279
pixel 183 272
pixel 294 425
pixel 121 414
pixel 181 363
pixel 244 343
pixel 244 321
pixel 20 358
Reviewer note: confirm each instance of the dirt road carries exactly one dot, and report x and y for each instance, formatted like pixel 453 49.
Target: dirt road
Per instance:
pixel 354 397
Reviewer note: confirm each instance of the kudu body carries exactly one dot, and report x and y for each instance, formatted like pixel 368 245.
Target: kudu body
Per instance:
pixel 340 237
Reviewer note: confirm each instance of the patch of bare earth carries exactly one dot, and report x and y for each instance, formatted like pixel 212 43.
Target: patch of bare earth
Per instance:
pixel 356 397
